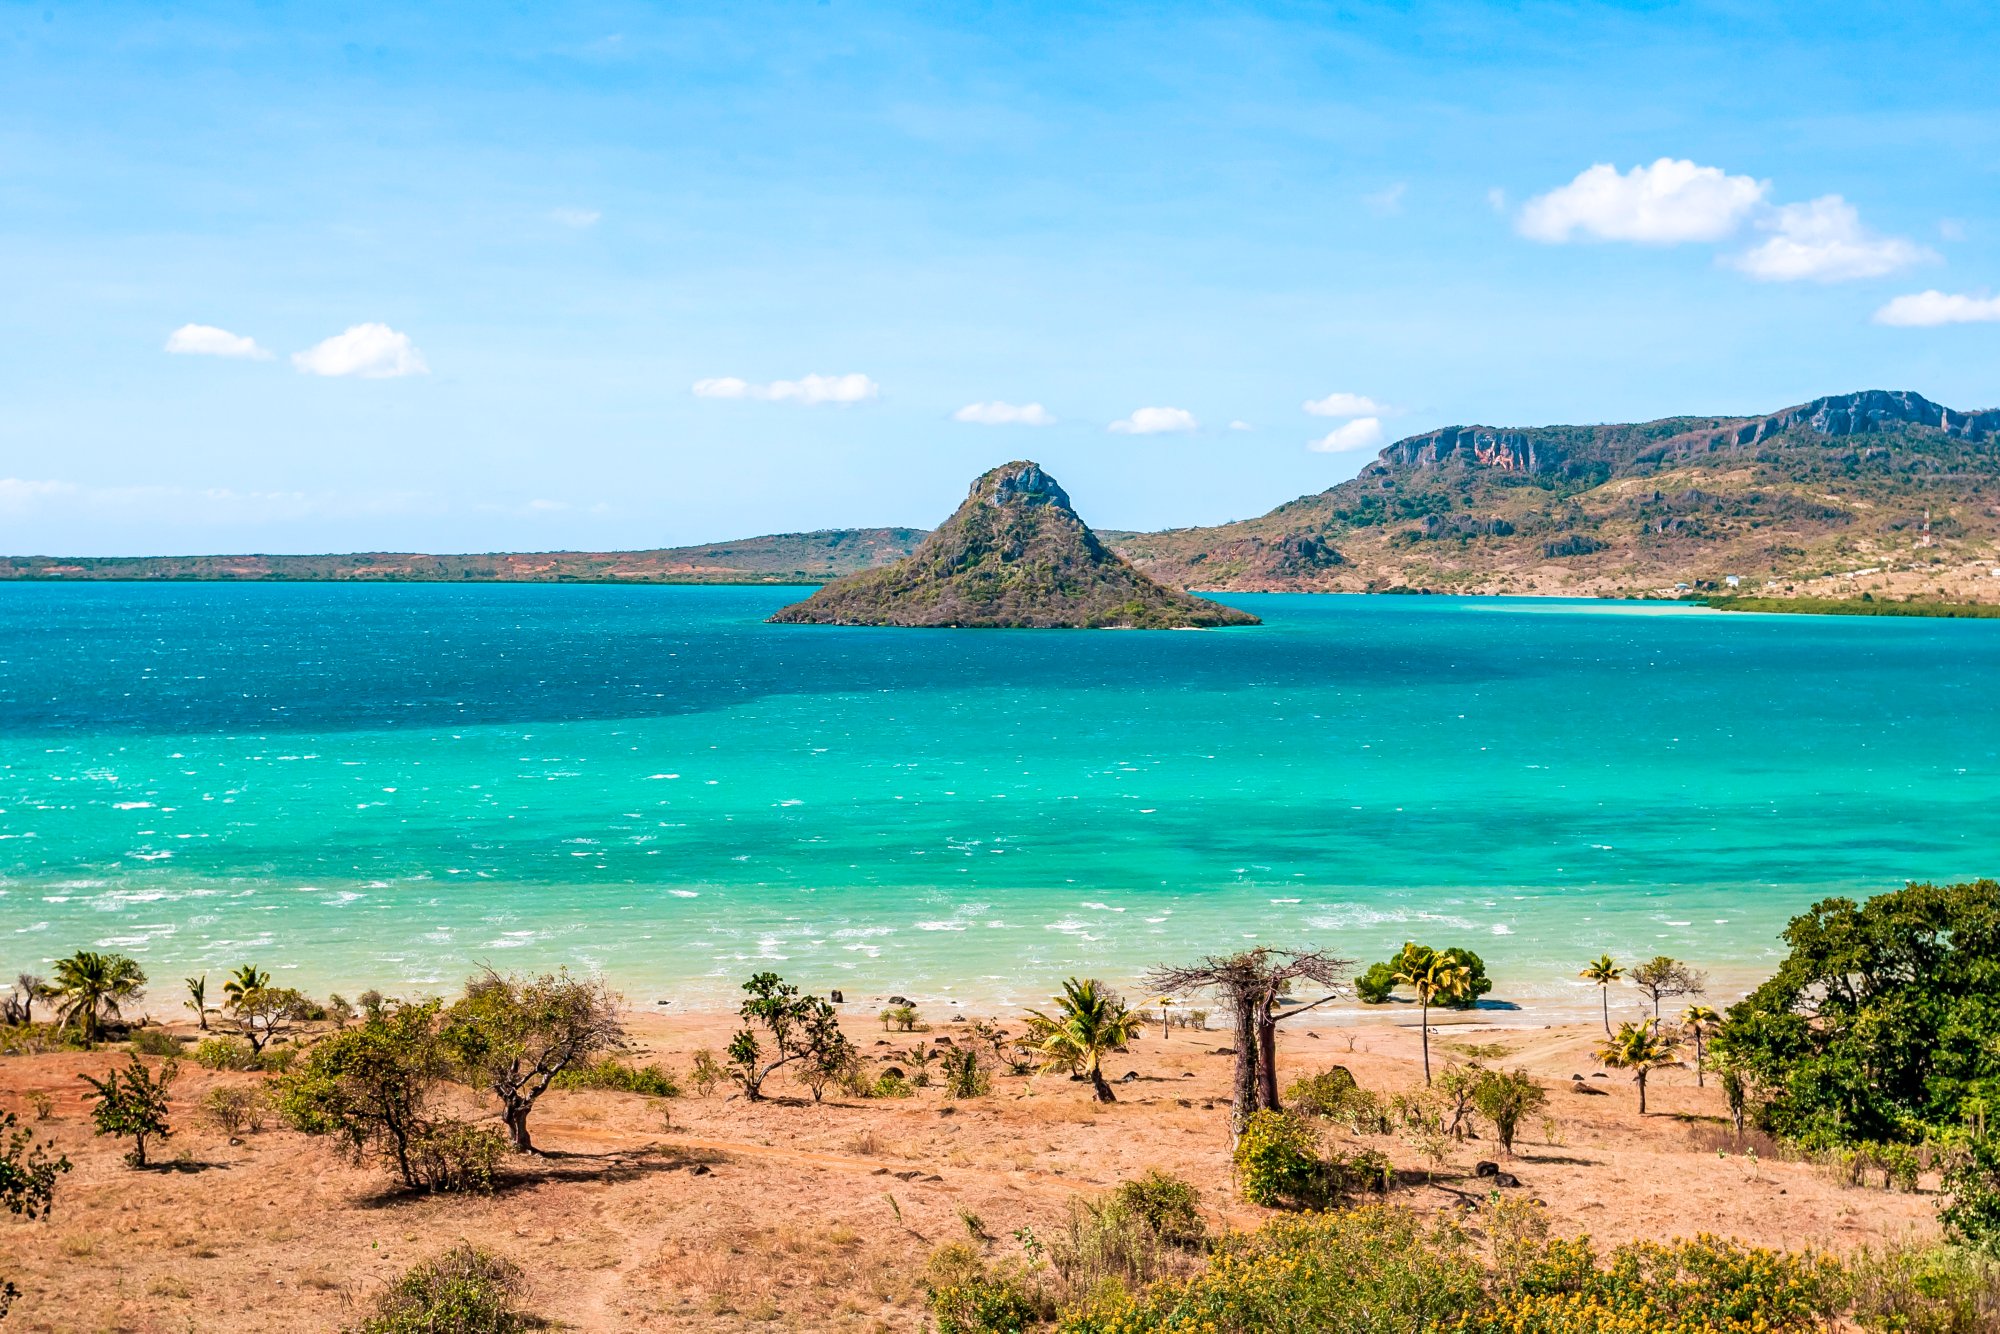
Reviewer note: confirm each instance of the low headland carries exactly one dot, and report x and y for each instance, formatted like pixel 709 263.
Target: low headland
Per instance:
pixel 1210 1152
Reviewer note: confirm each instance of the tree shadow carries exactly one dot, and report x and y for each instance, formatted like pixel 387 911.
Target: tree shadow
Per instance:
pixel 1556 1159
pixel 524 1172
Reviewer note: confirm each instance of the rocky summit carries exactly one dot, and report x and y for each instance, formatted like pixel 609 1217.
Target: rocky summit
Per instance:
pixel 1014 555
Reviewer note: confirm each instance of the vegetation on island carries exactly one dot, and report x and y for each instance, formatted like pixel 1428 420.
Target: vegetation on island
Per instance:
pixel 1865 605
pixel 1014 555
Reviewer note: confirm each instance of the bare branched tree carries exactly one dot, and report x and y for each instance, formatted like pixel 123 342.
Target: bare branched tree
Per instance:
pixel 1252 984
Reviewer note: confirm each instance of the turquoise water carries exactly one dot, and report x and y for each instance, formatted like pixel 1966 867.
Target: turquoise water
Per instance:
pixel 386 785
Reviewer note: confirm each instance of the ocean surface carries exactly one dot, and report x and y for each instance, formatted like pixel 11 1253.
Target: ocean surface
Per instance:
pixel 389 785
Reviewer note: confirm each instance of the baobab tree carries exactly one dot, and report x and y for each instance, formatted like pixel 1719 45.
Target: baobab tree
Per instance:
pixel 1251 984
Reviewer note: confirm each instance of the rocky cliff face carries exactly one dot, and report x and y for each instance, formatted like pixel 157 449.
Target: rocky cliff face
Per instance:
pixel 1014 555
pixel 1843 483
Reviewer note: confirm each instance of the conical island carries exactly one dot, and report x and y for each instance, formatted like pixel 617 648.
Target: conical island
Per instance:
pixel 1015 555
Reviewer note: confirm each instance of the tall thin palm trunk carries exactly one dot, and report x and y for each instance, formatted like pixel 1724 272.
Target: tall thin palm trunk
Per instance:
pixel 1604 993
pixel 1425 1001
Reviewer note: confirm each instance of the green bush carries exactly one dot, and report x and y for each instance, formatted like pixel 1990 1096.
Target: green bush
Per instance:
pixel 451 1155
pixel 132 1104
pixel 1375 986
pixel 892 1085
pixel 1371 1270
pixel 1971 1212
pixel 1368 1169
pixel 464 1291
pixel 1333 1095
pixel 1278 1163
pixel 611 1073
pixel 969 1298
pixel 1707 1285
pixel 1880 1024
pixel 1170 1206
pixel 154 1042
pixel 1383 1270
pixel 223 1054
pixel 1506 1098
pixel 1924 1290
pixel 963 1075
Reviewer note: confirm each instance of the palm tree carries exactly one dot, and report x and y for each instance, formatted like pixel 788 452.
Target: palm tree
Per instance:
pixel 198 999
pixel 1699 1022
pixel 89 987
pixel 1636 1047
pixel 1603 972
pixel 1090 1020
pixel 1434 976
pixel 247 978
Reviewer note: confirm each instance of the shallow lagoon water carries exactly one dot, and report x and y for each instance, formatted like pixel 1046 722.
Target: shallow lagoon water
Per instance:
pixel 386 785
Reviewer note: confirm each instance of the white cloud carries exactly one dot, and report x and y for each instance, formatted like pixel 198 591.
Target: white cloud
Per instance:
pixel 188 505
pixel 1671 201
pixel 370 351
pixel 1156 421
pixel 808 390
pixel 811 389
pixel 1344 405
pixel 1241 426
pixel 1496 199
pixel 578 218
pixel 1388 202
pixel 1927 310
pixel 997 413
pixel 1823 240
pixel 1361 433
pixel 205 340
pixel 20 494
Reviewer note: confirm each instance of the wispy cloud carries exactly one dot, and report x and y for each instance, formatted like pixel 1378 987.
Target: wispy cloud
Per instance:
pixel 365 351
pixel 1386 202
pixel 1928 310
pixel 1241 426
pixel 189 505
pixel 578 218
pixel 997 413
pixel 1823 240
pixel 205 340
pixel 1341 404
pixel 1156 421
pixel 1673 200
pixel 807 390
pixel 1361 433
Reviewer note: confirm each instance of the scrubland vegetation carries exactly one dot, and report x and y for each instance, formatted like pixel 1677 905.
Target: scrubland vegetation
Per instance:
pixel 1870 1060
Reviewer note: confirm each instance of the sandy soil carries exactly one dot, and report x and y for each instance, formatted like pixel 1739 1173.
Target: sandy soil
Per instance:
pixel 715 1214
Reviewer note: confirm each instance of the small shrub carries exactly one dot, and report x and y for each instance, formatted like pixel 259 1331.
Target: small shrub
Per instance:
pixel 892 1085
pixel 1506 1098
pixel 456 1156
pixel 132 1104
pixel 968 1298
pixel 963 1075
pixel 41 1104
pixel 706 1072
pixel 1278 1163
pixel 901 1018
pixel 155 1042
pixel 1971 1212
pixel 1334 1095
pixel 1375 986
pixel 224 1054
pixel 1369 1170
pixel 1924 1290
pixel 611 1073
pixel 232 1109
pixel 464 1291
pixel 1169 1205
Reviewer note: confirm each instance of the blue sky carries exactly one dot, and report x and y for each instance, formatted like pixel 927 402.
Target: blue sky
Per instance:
pixel 447 277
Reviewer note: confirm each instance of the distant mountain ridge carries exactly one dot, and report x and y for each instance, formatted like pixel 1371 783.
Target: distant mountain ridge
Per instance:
pixel 1882 479
pixel 1014 555
pixel 781 558
pixel 1883 486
